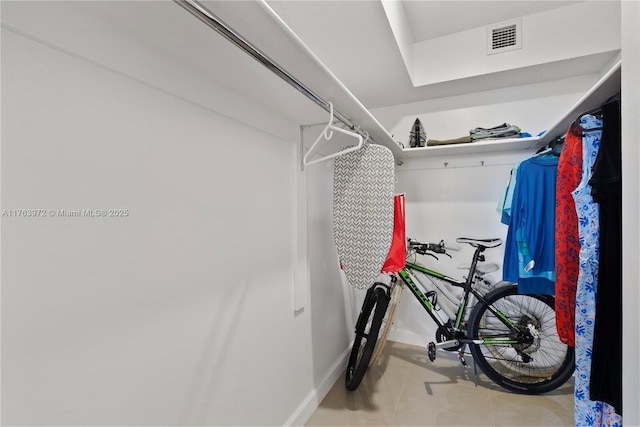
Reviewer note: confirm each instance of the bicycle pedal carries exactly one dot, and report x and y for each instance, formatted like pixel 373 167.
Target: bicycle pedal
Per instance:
pixel 431 351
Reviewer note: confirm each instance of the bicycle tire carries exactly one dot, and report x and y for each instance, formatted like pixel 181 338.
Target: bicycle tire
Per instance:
pixel 550 362
pixel 387 321
pixel 367 329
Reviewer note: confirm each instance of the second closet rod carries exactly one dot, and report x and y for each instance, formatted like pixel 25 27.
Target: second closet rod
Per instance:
pixel 204 15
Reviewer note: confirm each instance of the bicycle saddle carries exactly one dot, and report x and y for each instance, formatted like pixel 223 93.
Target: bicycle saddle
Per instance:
pixel 487 243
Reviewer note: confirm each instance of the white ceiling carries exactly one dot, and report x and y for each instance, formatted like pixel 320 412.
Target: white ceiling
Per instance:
pixel 431 19
pixel 352 38
pixel 355 41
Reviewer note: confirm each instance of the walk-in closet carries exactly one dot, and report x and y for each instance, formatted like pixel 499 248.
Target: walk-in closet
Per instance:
pixel 173 246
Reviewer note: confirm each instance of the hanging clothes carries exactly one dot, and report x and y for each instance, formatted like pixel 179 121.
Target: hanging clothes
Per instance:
pixel 587 411
pixel 566 235
pixel 504 207
pixel 606 190
pixel 529 248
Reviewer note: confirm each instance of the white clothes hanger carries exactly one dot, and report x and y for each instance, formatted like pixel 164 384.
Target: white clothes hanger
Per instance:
pixel 327 134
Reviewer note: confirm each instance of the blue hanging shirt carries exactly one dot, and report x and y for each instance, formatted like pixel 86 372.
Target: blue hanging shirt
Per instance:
pixel 529 257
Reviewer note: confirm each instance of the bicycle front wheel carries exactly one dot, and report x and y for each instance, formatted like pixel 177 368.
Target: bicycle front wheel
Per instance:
pixel 531 360
pixel 367 329
pixel 387 321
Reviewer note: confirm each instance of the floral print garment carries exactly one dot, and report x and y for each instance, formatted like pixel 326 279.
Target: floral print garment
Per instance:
pixel 588 412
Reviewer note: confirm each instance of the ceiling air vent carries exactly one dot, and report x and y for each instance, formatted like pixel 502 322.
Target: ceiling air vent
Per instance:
pixel 504 37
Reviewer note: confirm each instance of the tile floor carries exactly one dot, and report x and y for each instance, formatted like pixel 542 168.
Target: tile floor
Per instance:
pixel 405 389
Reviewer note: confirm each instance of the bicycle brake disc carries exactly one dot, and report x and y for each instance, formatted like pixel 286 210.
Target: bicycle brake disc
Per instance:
pixel 529 335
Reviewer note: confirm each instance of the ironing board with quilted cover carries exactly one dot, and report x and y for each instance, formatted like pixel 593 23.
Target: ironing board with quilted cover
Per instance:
pixel 363 191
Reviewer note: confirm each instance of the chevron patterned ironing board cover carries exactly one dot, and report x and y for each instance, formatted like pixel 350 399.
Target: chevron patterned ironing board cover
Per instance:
pixel 363 191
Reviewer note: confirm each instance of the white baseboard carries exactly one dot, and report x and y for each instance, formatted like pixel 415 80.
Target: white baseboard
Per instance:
pixel 311 402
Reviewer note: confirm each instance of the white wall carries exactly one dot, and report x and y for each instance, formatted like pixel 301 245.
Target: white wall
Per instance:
pixel 546 37
pixel 158 318
pixel 457 196
pixel 534 108
pixel 180 313
pixel 328 282
pixel 631 210
pixel 332 325
pixel 459 200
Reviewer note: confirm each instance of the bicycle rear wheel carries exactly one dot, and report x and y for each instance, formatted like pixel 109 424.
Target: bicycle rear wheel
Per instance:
pixel 387 321
pixel 367 329
pixel 539 362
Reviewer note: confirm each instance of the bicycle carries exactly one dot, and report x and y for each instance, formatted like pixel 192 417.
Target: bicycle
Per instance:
pixel 512 337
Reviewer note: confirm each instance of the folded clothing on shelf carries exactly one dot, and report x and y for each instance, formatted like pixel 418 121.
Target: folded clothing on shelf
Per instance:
pixel 504 130
pixel 461 140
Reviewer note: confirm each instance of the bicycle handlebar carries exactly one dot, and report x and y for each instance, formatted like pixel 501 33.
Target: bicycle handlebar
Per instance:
pixel 423 248
pixel 440 248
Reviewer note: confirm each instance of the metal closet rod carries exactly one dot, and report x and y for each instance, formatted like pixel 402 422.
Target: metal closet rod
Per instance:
pixel 205 15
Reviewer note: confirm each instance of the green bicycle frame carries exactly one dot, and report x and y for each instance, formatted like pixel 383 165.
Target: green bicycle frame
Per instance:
pixel 406 276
